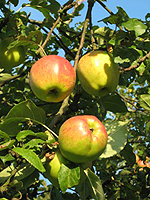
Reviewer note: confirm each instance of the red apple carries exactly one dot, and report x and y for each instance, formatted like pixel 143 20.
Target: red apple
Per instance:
pixel 82 138
pixel 52 78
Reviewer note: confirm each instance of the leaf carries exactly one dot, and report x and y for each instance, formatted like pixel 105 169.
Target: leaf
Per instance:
pixel 27 109
pixel 25 170
pixel 6 158
pixel 118 18
pixel 12 126
pixel 128 154
pixel 96 185
pixel 135 25
pixel 68 177
pixel 4 135
pixel 114 103
pixel 7 145
pixel 31 157
pixel 4 77
pixel 33 143
pixel 117 137
pixel 23 134
pixel 145 101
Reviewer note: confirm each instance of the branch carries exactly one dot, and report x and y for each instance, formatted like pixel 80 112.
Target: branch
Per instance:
pixel 90 5
pixel 12 78
pixel 122 70
pixel 65 103
pixel 64 9
pixel 105 7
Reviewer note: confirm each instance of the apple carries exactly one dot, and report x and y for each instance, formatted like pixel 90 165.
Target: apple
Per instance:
pixel 82 138
pixel 52 168
pixel 52 78
pixel 97 73
pixel 13 57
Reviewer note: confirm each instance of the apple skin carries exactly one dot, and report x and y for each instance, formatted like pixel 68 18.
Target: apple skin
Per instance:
pixel 52 168
pixel 98 74
pixel 12 57
pixel 82 138
pixel 52 78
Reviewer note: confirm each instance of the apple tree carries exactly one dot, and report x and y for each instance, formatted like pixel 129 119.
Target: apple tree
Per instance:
pixel 29 127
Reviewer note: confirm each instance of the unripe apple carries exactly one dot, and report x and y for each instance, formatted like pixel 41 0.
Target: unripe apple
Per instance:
pixel 52 78
pixel 12 57
pixel 98 74
pixel 52 168
pixel 82 138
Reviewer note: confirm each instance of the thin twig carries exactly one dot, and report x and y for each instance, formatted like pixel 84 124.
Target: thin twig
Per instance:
pixel 65 8
pixel 93 41
pixel 105 7
pixel 48 36
pixel 90 5
pixel 122 70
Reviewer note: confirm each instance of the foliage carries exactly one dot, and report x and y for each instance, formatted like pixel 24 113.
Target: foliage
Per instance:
pixel 29 126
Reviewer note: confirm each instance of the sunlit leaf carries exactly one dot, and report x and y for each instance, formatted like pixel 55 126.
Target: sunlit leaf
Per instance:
pixel 96 185
pixel 68 177
pixel 31 157
pixel 145 101
pixel 135 25
pixel 117 137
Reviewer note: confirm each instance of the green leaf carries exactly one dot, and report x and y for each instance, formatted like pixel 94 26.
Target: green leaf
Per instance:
pixel 135 25
pixel 33 143
pixel 7 145
pixel 4 135
pixel 68 177
pixel 148 127
pixel 25 170
pixel 6 158
pixel 4 77
pixel 118 18
pixel 145 101
pixel 31 157
pixel 12 126
pixel 27 109
pixel 23 134
pixel 114 104
pixel 128 154
pixel 95 184
pixel 117 137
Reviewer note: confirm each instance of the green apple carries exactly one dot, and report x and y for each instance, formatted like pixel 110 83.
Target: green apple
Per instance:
pixel 12 57
pixel 82 138
pixel 98 74
pixel 52 78
pixel 52 168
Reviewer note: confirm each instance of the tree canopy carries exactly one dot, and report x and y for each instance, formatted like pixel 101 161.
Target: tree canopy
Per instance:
pixel 28 125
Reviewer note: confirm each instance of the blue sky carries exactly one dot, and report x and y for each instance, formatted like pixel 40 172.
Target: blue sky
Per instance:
pixel 134 8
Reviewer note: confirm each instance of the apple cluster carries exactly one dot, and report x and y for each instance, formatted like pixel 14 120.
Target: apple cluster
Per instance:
pixel 82 139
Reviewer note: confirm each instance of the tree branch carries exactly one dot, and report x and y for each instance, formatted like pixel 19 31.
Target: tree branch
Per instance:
pixel 105 7
pixel 64 9
pixel 65 103
pixel 122 70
